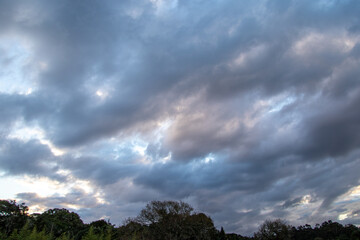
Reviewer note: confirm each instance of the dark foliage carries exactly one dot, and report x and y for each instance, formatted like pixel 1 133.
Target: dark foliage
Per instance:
pixel 101 226
pixel 273 230
pixel 57 221
pixel 327 230
pixel 158 220
pixel 172 220
pixel 12 216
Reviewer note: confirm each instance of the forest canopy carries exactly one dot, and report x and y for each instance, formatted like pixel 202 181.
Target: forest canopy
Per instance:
pixel 158 220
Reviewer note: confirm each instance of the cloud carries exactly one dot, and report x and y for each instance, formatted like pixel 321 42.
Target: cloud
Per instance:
pixel 246 110
pixel 26 158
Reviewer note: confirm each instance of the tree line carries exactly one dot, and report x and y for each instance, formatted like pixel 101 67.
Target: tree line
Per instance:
pixel 158 220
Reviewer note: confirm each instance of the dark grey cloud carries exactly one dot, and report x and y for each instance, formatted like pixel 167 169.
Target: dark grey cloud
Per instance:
pixel 26 158
pixel 248 110
pixel 101 171
pixel 334 132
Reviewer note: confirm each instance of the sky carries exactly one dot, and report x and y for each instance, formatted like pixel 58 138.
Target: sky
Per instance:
pixel 247 110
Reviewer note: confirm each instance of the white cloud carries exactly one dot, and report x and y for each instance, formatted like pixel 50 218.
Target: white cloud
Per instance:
pixel 25 133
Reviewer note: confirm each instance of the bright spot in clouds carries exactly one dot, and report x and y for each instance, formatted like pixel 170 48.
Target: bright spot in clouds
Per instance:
pixel 42 186
pixel 101 94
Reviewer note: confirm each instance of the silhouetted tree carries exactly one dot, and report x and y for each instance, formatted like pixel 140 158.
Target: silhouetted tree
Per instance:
pixel 222 235
pixel 101 226
pixel 234 236
pixel 12 216
pixel 159 220
pixel 175 220
pixel 58 221
pixel 198 226
pixel 327 230
pixel 355 235
pixel 273 230
pixel 132 230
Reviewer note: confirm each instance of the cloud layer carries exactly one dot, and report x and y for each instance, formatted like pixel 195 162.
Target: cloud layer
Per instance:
pixel 247 110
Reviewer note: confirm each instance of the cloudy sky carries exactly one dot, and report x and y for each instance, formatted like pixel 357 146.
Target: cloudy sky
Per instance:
pixel 247 110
